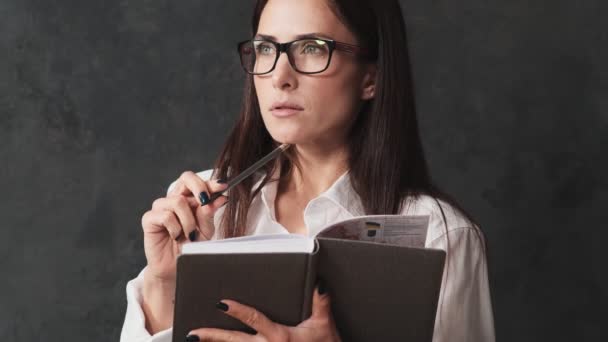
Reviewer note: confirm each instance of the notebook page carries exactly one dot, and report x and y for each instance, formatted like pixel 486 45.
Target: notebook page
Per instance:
pixel 400 230
pixel 271 243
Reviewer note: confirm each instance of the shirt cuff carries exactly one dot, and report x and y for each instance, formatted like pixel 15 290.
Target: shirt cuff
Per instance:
pixel 134 327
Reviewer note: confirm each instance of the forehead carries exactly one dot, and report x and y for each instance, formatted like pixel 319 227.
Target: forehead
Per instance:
pixel 285 20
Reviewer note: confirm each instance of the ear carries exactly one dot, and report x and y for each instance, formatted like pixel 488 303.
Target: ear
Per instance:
pixel 368 84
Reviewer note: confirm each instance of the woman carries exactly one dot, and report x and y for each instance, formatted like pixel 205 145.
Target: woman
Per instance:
pixel 331 78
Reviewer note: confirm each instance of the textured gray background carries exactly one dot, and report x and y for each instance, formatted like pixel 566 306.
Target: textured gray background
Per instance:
pixel 103 103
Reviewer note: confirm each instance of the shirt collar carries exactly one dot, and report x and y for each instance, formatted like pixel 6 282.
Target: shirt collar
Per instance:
pixel 343 195
pixel 340 194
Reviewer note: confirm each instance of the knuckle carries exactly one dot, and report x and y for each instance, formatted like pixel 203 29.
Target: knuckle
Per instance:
pixel 324 322
pixel 180 201
pixel 167 218
pixel 157 202
pixel 186 174
pixel 175 187
pixel 145 217
pixel 252 318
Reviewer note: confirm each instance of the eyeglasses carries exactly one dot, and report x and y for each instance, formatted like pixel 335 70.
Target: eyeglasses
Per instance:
pixel 306 56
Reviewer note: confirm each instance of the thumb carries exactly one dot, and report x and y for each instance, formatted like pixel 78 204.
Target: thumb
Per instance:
pixel 321 305
pixel 204 214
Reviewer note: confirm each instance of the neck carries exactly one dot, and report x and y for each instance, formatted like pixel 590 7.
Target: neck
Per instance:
pixel 319 167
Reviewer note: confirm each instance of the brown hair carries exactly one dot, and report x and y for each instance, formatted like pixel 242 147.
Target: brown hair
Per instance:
pixel 387 164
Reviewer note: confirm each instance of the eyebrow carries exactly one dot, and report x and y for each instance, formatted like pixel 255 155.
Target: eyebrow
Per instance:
pixel 299 36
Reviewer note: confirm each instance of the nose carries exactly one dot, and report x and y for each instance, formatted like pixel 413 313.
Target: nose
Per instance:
pixel 283 75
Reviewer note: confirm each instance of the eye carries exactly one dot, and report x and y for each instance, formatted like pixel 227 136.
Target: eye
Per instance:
pixel 264 49
pixel 311 49
pixel 316 47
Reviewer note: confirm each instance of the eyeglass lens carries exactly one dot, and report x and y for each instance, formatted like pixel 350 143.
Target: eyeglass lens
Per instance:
pixel 307 55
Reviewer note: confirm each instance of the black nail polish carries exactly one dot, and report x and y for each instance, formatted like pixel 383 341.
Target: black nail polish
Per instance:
pixel 204 197
pixel 321 286
pixel 192 236
pixel 192 338
pixel 222 306
pixel 221 181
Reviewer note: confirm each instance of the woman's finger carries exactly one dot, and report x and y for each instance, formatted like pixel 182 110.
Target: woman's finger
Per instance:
pixel 188 184
pixel 191 186
pixel 205 214
pixel 217 335
pixel 321 305
pixel 181 206
pixel 155 221
pixel 178 188
pixel 197 186
pixel 250 316
pixel 216 186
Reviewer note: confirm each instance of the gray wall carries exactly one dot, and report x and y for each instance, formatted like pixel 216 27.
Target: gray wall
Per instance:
pixel 103 103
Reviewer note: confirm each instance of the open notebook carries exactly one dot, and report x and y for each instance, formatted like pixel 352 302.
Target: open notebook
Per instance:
pixel 383 283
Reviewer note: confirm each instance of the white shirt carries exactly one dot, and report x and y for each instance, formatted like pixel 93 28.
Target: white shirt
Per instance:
pixel 464 313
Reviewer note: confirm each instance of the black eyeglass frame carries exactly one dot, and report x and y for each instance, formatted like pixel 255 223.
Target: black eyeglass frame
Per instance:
pixel 284 47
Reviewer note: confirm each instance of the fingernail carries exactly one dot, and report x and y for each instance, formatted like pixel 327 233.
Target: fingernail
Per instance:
pixel 192 236
pixel 321 286
pixel 204 197
pixel 192 338
pixel 222 306
pixel 221 181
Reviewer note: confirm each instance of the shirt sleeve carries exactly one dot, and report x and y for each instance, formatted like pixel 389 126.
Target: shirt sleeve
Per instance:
pixel 464 310
pixel 134 327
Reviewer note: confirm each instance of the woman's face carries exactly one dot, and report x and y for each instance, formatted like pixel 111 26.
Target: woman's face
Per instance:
pixel 330 100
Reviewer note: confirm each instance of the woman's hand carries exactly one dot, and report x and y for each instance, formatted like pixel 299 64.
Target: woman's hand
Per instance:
pixel 177 218
pixel 173 221
pixel 319 327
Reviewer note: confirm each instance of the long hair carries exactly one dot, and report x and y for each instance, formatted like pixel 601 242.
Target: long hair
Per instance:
pixel 387 166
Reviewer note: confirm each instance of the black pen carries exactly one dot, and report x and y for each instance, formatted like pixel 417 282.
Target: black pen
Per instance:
pixel 249 171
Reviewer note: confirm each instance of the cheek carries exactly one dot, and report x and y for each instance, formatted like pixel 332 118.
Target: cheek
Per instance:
pixel 340 89
pixel 337 97
pixel 261 87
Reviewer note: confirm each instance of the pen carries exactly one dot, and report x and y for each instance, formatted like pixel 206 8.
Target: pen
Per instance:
pixel 249 171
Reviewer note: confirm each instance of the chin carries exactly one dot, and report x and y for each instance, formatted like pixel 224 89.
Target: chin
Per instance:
pixel 288 137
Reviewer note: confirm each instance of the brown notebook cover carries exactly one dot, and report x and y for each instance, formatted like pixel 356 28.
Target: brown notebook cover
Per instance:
pixel 379 292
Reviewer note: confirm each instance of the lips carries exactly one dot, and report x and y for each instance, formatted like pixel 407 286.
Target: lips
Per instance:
pixel 285 105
